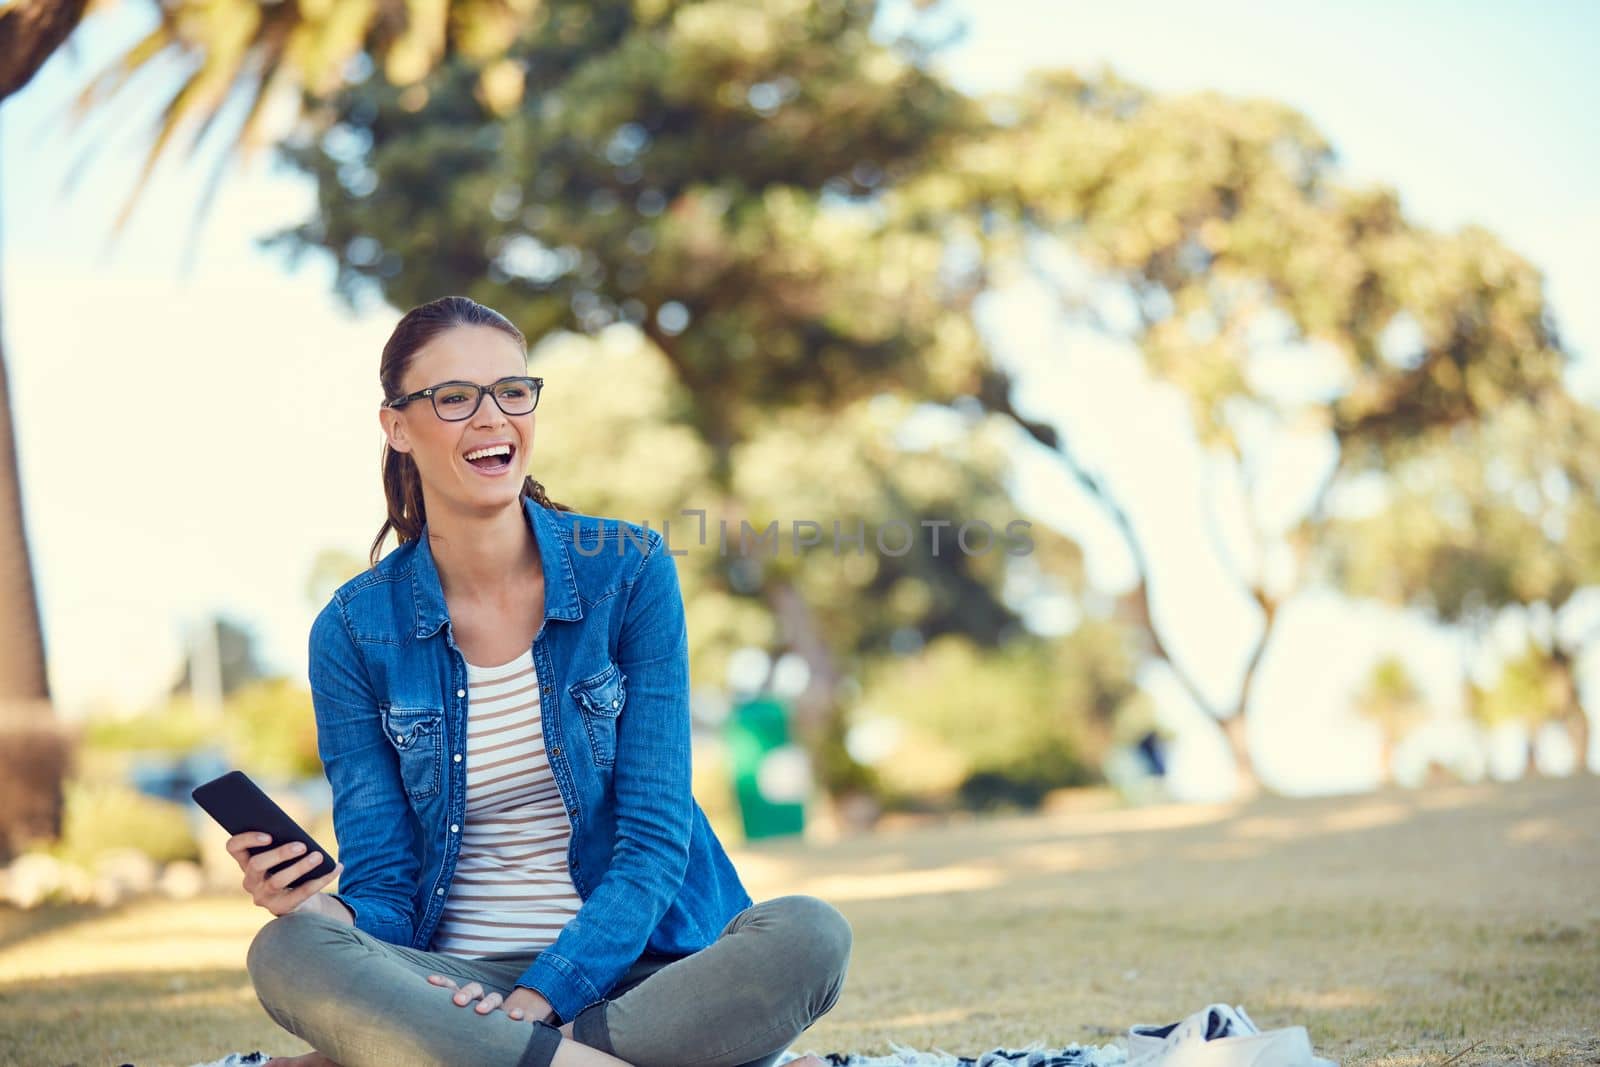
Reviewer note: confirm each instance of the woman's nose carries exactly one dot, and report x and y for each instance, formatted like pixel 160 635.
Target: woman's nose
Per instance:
pixel 488 413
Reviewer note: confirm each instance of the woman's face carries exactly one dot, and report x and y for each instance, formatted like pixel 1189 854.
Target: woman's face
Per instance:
pixel 480 354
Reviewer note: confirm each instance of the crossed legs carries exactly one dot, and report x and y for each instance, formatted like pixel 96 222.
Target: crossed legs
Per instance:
pixel 776 968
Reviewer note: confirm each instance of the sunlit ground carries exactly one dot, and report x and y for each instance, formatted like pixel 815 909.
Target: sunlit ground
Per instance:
pixel 1399 928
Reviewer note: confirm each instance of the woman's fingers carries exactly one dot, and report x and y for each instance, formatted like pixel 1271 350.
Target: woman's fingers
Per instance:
pixel 239 845
pixel 295 897
pixel 468 993
pixel 338 869
pixel 273 856
pixel 272 891
pixel 281 880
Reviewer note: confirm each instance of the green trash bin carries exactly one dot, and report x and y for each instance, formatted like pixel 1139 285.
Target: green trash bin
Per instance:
pixel 771 775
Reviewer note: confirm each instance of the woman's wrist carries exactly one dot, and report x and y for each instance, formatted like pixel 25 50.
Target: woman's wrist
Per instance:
pixel 328 905
pixel 541 1008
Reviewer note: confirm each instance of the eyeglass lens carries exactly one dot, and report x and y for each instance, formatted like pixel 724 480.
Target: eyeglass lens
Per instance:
pixel 460 401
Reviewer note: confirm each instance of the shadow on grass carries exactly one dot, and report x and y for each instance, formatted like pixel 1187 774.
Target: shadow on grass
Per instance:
pixel 18 925
pixel 179 1017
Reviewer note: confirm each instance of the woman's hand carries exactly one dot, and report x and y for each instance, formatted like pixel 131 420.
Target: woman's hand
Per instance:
pixel 271 892
pixel 523 1004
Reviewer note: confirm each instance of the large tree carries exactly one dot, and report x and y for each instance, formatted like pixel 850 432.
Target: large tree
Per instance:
pixel 1212 239
pixel 713 174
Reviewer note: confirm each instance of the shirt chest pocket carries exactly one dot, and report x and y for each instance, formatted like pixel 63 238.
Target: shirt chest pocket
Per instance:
pixel 417 736
pixel 600 699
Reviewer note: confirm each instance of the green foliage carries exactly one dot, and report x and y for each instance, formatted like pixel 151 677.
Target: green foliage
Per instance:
pixel 837 772
pixel 1528 689
pixel 267 728
pixel 175 727
pixel 995 726
pixel 100 817
pixel 712 175
pixel 249 49
pixel 1506 512
pixel 1227 222
pixel 1391 698
pixel 272 730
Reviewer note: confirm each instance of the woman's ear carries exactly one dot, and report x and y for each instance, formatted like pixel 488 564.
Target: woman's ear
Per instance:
pixel 394 428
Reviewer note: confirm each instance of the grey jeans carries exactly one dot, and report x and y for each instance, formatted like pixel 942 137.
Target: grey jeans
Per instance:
pixel 775 969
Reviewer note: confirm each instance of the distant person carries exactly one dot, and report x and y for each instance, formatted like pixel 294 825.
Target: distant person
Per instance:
pixel 502 709
pixel 1153 751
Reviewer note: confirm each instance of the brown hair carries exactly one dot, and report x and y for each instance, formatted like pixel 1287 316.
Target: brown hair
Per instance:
pixel 402 487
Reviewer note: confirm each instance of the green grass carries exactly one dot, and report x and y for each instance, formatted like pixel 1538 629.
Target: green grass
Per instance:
pixel 1400 928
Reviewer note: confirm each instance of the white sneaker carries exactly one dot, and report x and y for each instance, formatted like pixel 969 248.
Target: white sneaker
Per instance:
pixel 1220 1036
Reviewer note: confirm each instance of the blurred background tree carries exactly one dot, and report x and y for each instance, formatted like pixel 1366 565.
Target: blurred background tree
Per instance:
pixel 1529 688
pixel 1210 237
pixel 1498 518
pixel 1394 704
pixel 778 224
pixel 799 214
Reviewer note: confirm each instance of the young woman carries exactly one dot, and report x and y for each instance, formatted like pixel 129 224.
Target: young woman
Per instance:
pixel 502 708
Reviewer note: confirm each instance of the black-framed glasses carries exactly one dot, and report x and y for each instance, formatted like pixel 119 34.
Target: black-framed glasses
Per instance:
pixel 454 401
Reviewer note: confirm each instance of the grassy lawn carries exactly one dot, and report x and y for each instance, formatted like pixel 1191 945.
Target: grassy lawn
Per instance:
pixel 1399 928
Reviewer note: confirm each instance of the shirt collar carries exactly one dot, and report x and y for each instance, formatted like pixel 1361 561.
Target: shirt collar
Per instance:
pixel 560 586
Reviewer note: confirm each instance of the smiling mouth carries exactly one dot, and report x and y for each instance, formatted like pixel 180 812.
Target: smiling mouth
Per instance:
pixel 495 464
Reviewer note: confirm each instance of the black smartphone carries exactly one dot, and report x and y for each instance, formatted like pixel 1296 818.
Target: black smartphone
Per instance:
pixel 241 807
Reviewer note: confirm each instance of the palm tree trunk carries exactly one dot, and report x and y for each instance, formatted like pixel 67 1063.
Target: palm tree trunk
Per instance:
pixel 33 751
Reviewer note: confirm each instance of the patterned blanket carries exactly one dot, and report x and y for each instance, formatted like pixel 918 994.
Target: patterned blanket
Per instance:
pixel 1033 1056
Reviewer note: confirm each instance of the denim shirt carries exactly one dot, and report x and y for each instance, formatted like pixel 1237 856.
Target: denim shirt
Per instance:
pixel 389 687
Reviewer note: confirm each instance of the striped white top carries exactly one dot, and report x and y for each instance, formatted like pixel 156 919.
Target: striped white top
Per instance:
pixel 511 891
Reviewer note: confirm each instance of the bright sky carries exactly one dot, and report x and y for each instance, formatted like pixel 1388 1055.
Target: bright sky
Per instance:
pixel 236 436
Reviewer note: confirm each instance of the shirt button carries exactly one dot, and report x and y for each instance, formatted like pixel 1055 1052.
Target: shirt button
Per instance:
pixel 547 690
pixel 556 751
pixel 461 692
pixel 454 828
pixel 458 757
pixel 438 892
